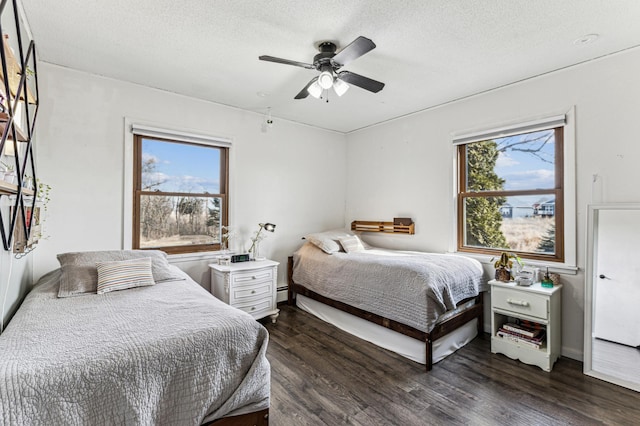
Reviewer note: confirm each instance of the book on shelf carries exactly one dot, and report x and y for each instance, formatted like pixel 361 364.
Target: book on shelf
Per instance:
pixel 536 339
pixel 524 330
pixel 531 324
pixel 533 342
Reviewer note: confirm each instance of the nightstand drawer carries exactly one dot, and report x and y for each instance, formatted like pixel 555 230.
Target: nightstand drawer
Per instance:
pixel 256 307
pixel 252 292
pixel 252 277
pixel 520 302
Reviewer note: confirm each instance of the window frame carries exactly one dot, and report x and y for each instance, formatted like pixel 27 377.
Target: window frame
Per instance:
pixel 138 192
pixel 563 190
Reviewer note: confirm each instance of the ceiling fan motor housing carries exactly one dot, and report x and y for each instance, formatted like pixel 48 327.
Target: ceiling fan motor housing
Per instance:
pixel 322 61
pixel 327 47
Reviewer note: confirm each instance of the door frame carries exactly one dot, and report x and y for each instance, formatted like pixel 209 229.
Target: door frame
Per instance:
pixel 590 276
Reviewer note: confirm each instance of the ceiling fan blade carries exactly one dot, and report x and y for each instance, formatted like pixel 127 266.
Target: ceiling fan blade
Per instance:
pixel 305 92
pixel 357 48
pixel 286 62
pixel 361 81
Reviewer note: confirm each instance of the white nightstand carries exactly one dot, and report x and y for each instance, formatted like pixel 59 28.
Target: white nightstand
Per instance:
pixel 249 286
pixel 534 303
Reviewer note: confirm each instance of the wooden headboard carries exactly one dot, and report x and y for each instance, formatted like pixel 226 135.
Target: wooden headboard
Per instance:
pixel 388 227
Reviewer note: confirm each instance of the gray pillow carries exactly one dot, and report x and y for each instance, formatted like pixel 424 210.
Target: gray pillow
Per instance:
pixel 80 274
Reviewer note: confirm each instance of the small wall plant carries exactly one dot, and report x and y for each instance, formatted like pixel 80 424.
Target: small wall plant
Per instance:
pixel 44 193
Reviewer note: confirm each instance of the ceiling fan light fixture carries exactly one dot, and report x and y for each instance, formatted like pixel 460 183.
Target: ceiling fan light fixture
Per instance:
pixel 325 79
pixel 315 90
pixel 340 87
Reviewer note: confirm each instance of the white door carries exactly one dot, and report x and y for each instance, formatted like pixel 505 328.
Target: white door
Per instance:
pixel 617 277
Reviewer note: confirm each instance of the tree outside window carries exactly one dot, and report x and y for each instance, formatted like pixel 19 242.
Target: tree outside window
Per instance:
pixel 510 195
pixel 180 196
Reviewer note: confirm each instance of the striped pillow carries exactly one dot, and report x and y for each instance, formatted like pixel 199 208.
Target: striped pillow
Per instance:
pixel 351 244
pixel 124 274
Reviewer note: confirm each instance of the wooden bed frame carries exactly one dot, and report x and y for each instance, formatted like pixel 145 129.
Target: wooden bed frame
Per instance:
pixel 257 418
pixel 441 329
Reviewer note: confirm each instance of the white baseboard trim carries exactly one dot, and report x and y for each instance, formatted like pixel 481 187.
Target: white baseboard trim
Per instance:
pixel 572 353
pixel 283 294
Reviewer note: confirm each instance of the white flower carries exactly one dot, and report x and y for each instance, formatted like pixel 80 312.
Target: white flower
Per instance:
pixel 227 233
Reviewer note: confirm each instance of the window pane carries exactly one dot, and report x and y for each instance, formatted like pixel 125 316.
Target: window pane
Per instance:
pixel 179 221
pixel 519 223
pixel 519 162
pixel 180 167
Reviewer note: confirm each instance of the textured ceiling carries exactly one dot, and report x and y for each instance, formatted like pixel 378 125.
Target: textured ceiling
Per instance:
pixel 428 52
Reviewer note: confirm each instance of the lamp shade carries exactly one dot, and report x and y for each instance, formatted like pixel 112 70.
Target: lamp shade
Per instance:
pixel 340 87
pixel 315 90
pixel 325 79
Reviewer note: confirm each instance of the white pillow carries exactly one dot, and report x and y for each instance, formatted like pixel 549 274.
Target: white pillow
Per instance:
pixel 124 274
pixel 351 244
pixel 328 241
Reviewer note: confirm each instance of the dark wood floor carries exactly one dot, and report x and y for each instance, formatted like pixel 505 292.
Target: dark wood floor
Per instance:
pixel 322 375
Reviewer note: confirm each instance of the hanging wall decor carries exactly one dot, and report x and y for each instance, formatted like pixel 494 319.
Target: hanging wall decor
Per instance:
pixel 18 112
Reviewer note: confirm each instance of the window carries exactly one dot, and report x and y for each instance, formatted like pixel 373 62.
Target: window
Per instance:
pixel 180 197
pixel 511 191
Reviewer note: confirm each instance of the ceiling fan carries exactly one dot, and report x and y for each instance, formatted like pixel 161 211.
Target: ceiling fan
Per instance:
pixel 328 62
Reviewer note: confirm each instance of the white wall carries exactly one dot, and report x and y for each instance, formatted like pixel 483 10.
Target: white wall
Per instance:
pixel 405 168
pixel 15 276
pixel 292 176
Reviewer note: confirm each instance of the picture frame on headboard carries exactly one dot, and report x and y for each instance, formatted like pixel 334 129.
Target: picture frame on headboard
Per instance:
pixel 404 221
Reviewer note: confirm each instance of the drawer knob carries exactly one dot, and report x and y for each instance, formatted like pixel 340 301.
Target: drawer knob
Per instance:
pixel 253 292
pixel 253 308
pixel 253 277
pixel 517 302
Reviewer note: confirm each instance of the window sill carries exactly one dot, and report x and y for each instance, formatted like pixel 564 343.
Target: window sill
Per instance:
pixel 192 257
pixel 558 268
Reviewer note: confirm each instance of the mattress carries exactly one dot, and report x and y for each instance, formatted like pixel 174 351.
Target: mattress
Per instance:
pixel 412 288
pixel 170 353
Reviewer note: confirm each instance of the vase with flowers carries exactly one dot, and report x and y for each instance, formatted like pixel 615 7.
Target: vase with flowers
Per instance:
pixel 225 238
pixel 257 237
pixel 8 173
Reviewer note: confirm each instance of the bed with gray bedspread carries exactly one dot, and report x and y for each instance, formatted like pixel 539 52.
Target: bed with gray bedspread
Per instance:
pixel 164 354
pixel 413 288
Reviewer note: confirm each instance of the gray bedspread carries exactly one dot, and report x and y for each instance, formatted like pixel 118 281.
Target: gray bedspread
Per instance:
pixel 413 288
pixel 166 354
